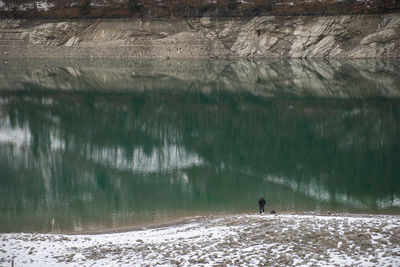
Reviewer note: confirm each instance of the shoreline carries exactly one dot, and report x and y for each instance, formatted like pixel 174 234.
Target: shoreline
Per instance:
pixel 187 219
pixel 181 221
pixel 246 239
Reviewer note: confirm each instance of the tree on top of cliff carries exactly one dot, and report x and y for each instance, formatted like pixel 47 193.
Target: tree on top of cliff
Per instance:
pixel 84 7
pixel 192 8
pixel 133 5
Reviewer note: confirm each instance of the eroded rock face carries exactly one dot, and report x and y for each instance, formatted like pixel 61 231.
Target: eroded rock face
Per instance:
pixel 54 34
pixel 351 36
pixel 342 36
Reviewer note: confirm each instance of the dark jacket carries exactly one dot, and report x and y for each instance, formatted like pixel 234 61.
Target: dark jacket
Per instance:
pixel 261 202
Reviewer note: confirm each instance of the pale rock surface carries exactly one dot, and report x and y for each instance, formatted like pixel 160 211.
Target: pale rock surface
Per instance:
pixel 350 36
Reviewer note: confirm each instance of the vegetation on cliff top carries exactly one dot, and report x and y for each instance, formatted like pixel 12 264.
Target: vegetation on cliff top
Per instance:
pixel 189 8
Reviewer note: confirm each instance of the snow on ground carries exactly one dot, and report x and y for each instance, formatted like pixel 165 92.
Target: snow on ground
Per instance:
pixel 40 5
pixel 267 240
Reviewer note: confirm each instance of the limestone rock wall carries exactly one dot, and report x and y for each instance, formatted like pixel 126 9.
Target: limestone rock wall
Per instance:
pixel 351 36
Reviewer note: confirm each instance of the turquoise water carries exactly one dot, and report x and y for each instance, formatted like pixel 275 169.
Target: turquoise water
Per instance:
pixel 109 143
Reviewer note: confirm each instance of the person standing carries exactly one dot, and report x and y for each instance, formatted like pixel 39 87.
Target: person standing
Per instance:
pixel 261 203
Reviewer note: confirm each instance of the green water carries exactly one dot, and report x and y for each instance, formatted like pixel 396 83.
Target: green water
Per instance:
pixel 108 144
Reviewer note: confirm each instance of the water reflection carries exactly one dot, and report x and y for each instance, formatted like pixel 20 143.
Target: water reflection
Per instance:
pixel 204 137
pixel 273 77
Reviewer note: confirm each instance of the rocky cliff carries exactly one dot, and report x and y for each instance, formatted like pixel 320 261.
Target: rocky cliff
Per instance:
pixel 350 36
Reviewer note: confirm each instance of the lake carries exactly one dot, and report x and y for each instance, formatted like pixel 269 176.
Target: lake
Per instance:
pixel 108 144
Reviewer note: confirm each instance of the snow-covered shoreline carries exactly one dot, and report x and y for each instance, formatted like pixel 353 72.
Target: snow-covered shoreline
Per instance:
pixel 268 240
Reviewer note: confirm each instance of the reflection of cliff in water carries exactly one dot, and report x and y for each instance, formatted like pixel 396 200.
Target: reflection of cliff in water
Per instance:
pixel 118 155
pixel 272 78
pixel 140 141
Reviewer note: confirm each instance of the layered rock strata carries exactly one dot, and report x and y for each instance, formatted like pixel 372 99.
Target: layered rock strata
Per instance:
pixel 350 36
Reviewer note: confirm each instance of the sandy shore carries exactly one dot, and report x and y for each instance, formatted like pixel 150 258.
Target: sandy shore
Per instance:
pixel 265 240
